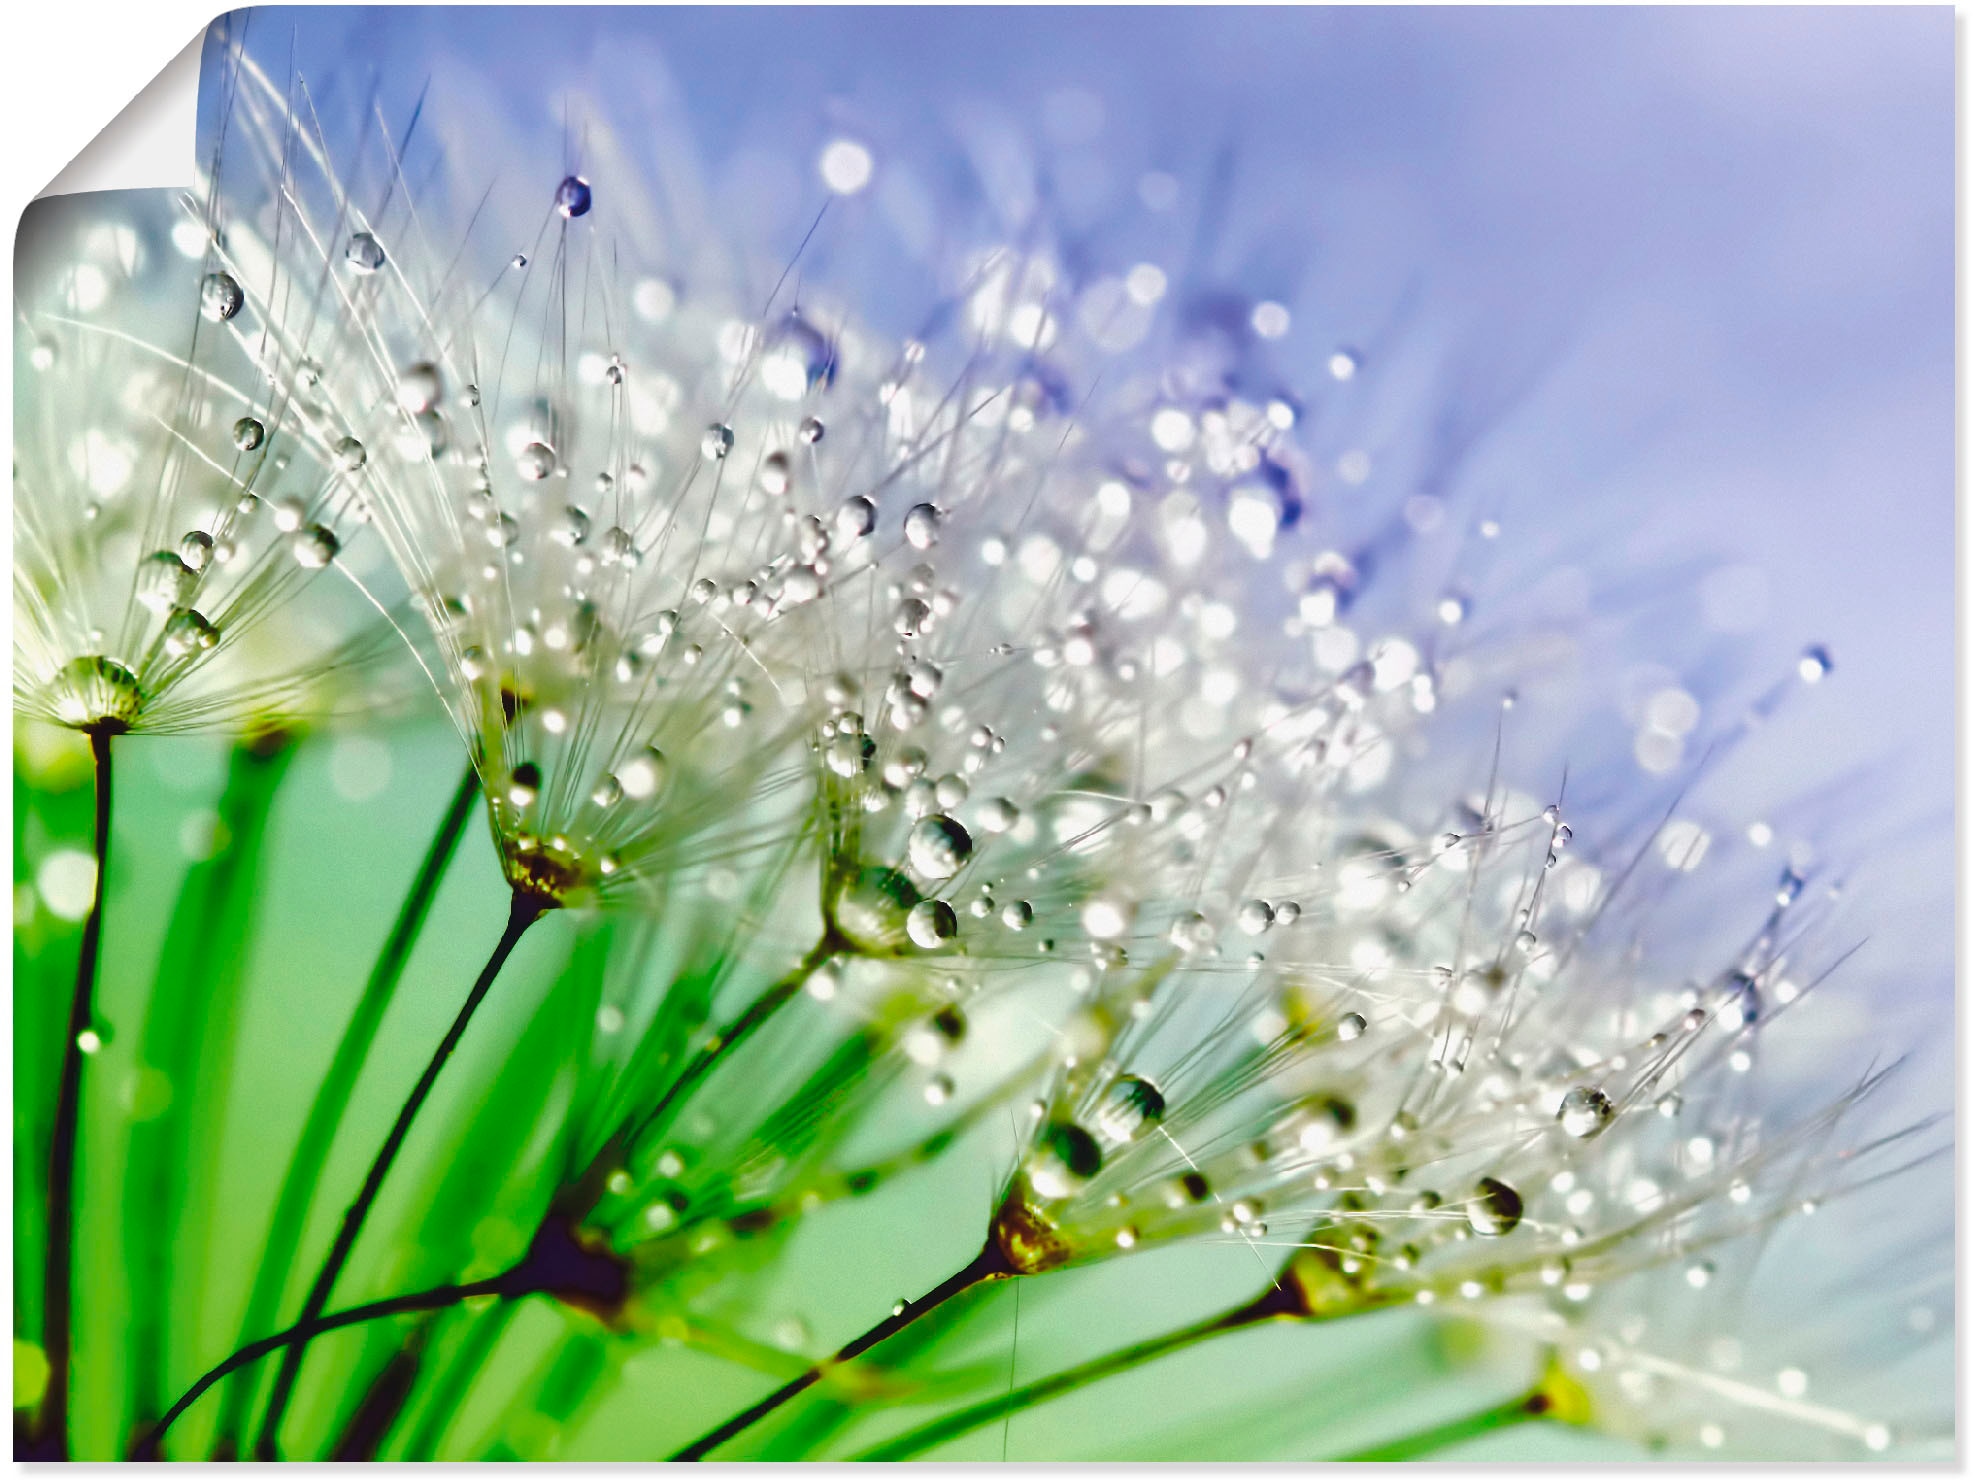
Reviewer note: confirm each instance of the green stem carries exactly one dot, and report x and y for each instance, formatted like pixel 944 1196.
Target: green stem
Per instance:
pixel 1529 1407
pixel 51 1432
pixel 524 910
pixel 325 1117
pixel 186 1047
pixel 758 1012
pixel 990 1264
pixel 1271 1306
pixel 442 1405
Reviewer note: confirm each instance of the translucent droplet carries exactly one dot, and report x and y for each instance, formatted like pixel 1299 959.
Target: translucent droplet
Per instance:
pixel 95 691
pixel 1254 916
pixel 998 815
pixel 1585 1111
pixel 938 847
pixel 364 254
pixel 856 517
pixel 1351 1025
pixel 643 775
pixel 186 632
pixel 1131 1106
pixel 570 528
pixel 525 784
pixel 248 434
pixel 1815 664
pixel 1494 1208
pixel 535 462
pixel 871 907
pixel 922 526
pixel 573 197
pixel 931 924
pixel 220 297
pixel 810 431
pixel 717 442
pixel 1018 915
pixel 350 454
pixel 313 547
pixel 909 617
pixel 164 581
pixel 420 387
pixel 1066 1158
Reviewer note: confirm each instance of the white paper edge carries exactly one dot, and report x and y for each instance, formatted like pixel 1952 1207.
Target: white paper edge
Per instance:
pixel 150 144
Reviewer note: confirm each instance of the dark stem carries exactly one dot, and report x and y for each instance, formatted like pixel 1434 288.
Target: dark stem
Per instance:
pixel 298 1186
pixel 990 1264
pixel 51 1439
pixel 304 1331
pixel 1274 1304
pixel 524 910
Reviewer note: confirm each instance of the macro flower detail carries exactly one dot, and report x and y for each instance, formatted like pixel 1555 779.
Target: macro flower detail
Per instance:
pixel 889 761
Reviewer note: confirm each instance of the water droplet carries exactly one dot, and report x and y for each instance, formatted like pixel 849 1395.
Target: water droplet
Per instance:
pixel 931 924
pixel 1585 1111
pixel 350 454
pixel 164 581
pixel 570 528
pixel 313 548
pixel 1018 915
pixel 248 434
pixel 871 907
pixel 1253 917
pixel 922 526
pixel 1494 1208
pixel 95 690
pixel 1351 1025
pixel 525 784
pixel 717 442
pixel 1815 664
pixel 938 847
pixel 186 632
pixel 573 197
pixel 535 462
pixel 856 517
pixel 910 617
pixel 1066 1158
pixel 220 297
pixel 998 815
pixel 1699 1273
pixel 810 431
pixel 643 775
pixel 364 254
pixel 420 387
pixel 1131 1106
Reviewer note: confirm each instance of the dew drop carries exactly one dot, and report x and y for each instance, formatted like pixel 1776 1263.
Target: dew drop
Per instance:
pixel 186 632
pixel 1066 1158
pixel 938 847
pixel 164 581
pixel 1351 1025
pixel 350 454
pixel 248 434
pixel 1253 917
pixel 1130 1108
pixel 1494 1208
pixel 922 526
pixel 931 924
pixel 220 297
pixel 643 775
pixel 1585 1111
pixel 717 442
pixel 364 254
pixel 856 517
pixel 573 197
pixel 313 547
pixel 535 462
pixel 810 431
pixel 525 784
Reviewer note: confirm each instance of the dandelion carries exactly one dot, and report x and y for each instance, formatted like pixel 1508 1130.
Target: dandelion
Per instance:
pixel 163 534
pixel 1038 738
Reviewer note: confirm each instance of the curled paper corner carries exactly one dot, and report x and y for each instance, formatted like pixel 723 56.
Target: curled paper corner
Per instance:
pixel 150 144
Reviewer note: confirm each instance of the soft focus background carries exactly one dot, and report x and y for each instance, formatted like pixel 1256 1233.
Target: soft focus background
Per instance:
pixel 1670 291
